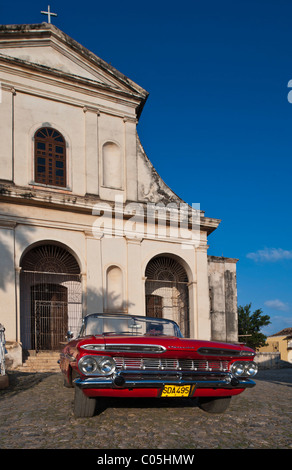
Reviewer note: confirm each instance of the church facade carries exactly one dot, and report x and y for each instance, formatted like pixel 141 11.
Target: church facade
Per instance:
pixel 86 223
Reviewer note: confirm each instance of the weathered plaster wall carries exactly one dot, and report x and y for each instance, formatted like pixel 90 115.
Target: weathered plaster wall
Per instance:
pixel 223 298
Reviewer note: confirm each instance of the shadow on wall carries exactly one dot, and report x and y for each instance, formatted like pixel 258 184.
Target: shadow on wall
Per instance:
pixel 101 301
pixel 7 272
pixel 271 360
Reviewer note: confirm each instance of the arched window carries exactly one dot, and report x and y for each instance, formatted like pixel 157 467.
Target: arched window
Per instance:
pixel 50 157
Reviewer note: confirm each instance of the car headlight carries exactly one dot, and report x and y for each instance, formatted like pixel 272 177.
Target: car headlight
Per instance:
pixel 237 369
pixel 96 365
pixel 106 365
pixel 87 365
pixel 251 369
pixel 240 369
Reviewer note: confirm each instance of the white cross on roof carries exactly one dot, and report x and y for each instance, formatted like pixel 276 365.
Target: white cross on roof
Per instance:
pixel 49 14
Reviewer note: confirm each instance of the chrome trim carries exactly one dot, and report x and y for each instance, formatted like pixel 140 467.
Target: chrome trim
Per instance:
pixel 161 379
pixel 137 348
pixel 142 363
pixel 124 347
pixel 93 347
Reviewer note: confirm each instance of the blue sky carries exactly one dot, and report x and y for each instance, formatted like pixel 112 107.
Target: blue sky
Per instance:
pixel 217 125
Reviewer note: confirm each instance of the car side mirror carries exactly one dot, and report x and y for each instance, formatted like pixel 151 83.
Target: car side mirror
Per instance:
pixel 69 335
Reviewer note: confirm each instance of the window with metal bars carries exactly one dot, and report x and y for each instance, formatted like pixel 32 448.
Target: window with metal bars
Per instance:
pixel 50 157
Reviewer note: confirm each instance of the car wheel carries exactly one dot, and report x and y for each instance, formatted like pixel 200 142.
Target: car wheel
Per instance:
pixel 84 407
pixel 214 404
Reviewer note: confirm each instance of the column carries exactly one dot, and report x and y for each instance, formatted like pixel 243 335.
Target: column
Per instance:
pixel 91 150
pixel 130 163
pixel 204 320
pixel 6 133
pixel 7 283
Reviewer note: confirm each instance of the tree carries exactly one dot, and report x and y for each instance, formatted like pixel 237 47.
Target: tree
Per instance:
pixel 249 325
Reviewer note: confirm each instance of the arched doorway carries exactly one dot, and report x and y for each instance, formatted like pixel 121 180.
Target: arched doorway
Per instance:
pixel 166 291
pixel 50 296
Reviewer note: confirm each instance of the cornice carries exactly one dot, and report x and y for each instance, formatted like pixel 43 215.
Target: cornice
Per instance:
pixel 14 87
pixel 65 200
pixel 64 80
pixel 221 259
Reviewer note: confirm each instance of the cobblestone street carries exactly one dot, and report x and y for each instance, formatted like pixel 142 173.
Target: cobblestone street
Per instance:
pixel 36 413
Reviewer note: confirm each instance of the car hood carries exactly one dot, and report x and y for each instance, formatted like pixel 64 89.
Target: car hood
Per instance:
pixel 173 346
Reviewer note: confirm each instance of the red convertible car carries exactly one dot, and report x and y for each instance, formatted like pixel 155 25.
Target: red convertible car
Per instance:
pixel 117 355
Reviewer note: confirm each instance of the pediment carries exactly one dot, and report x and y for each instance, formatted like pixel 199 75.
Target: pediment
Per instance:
pixel 45 45
pixel 62 61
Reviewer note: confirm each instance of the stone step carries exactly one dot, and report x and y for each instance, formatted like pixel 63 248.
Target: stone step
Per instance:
pixel 44 361
pixel 33 360
pixel 40 364
pixel 38 369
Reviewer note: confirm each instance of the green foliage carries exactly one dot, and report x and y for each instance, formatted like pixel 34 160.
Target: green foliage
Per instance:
pixel 250 324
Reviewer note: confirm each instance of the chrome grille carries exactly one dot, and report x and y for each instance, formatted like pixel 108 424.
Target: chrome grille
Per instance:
pixel 139 363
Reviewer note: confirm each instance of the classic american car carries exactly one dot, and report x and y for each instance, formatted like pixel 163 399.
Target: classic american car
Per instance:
pixel 118 355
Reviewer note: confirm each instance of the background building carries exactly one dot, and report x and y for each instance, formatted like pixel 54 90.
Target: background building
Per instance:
pixel 86 223
pixel 280 342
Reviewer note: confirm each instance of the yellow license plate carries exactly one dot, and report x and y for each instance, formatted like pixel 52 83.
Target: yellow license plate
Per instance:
pixel 176 391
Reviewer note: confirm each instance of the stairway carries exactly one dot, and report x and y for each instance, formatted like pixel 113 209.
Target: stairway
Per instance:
pixel 43 361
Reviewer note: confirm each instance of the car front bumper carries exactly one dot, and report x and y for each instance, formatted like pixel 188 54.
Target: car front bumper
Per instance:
pixel 149 379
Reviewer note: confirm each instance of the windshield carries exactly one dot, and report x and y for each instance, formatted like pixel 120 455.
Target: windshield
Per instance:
pixel 107 324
